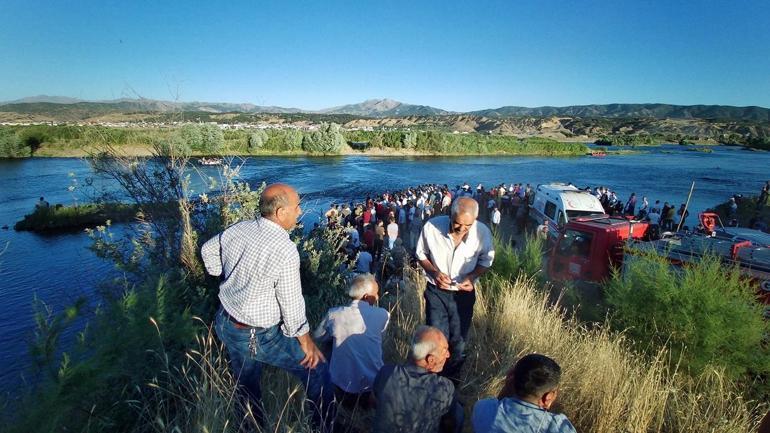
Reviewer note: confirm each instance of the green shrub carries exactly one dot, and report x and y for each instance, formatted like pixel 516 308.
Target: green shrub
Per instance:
pixel 257 139
pixel 705 312
pixel 205 138
pixel 12 146
pixel 328 139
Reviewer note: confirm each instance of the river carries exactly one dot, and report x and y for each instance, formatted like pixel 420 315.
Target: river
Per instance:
pixel 58 269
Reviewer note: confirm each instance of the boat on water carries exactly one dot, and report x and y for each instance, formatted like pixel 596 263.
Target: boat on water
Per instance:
pixel 210 161
pixel 598 154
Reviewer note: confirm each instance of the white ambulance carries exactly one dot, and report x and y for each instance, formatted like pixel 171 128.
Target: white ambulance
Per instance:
pixel 556 203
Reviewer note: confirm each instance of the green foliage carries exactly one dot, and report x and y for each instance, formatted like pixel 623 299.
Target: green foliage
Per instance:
pixel 328 139
pixel 706 313
pixel 628 140
pixel 12 146
pixel 257 139
pixel 758 143
pixel 57 218
pixel 136 334
pixel 205 138
pixel 320 259
pixel 510 263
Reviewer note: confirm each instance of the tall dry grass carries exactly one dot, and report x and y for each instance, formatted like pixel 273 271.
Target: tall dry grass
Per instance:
pixel 606 386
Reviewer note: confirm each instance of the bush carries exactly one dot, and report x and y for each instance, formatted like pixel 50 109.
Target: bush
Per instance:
pixel 257 139
pixel 12 146
pixel 205 138
pixel 706 313
pixel 328 139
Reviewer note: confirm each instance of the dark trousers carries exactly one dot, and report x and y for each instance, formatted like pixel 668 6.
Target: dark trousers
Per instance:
pixel 452 313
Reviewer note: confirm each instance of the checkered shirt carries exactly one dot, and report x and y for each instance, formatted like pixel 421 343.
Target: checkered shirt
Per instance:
pixel 259 266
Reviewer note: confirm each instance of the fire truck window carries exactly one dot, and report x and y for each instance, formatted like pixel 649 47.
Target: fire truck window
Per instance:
pixel 562 220
pixel 550 210
pixel 576 243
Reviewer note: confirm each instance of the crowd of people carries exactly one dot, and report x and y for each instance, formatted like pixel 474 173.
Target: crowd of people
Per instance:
pixel 262 318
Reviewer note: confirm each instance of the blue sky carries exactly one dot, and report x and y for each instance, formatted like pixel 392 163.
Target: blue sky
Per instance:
pixel 454 55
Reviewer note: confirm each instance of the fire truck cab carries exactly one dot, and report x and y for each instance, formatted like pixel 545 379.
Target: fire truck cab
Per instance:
pixel 587 248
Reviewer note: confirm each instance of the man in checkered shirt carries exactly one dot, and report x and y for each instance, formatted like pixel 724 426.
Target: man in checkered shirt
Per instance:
pixel 262 318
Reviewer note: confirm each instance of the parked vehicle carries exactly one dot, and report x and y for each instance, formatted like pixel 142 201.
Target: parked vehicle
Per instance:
pixel 587 249
pixel 555 204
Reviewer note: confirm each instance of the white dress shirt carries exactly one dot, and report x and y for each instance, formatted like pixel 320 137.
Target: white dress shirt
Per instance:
pixel 436 245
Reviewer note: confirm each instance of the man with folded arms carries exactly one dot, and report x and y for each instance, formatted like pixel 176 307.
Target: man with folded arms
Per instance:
pixel 262 318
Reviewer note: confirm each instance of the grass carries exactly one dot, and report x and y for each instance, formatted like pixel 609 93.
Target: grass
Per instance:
pixel 64 218
pixel 607 387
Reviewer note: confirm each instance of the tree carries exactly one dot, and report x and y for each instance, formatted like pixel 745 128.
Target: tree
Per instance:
pixel 327 139
pixel 206 138
pixel 706 312
pixel 257 139
pixel 12 146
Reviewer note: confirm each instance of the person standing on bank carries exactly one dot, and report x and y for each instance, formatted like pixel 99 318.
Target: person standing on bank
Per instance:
pixel 262 317
pixel 454 251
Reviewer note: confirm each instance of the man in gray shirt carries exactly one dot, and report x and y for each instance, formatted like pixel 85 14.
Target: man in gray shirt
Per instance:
pixel 413 398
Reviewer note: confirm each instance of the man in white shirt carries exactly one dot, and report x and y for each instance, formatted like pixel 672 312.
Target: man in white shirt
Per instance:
pixel 495 218
pixel 356 333
pixel 454 251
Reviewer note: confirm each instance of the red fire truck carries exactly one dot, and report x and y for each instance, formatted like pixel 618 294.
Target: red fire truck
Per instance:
pixel 588 248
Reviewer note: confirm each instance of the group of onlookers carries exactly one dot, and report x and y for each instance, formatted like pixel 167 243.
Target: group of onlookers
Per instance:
pixel 262 321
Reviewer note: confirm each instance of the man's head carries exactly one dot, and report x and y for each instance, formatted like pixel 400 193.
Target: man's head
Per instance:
pixel 430 349
pixel 280 203
pixel 535 378
pixel 464 213
pixel 365 288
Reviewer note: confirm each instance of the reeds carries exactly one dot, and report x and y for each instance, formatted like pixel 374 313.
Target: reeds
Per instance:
pixel 606 386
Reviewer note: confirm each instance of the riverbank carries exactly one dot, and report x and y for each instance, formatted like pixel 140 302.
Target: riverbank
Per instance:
pixel 211 139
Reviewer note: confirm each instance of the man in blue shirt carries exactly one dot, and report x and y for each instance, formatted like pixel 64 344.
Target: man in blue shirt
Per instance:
pixel 530 389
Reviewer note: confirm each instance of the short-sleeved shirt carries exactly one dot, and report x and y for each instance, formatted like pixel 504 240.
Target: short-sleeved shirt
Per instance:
pixel 491 415
pixel 410 399
pixel 357 355
pixel 435 244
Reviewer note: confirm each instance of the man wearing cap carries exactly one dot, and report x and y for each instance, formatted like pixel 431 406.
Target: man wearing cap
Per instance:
pixel 454 251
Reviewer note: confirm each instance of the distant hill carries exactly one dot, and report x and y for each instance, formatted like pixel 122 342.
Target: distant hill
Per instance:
pixel 655 111
pixel 385 108
pixel 71 109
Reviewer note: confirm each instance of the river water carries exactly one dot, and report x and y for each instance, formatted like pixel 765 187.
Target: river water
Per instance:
pixel 57 269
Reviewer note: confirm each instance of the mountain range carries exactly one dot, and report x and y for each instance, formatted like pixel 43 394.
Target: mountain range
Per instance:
pixel 65 108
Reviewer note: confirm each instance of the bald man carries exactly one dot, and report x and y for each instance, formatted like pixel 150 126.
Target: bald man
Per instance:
pixel 413 397
pixel 262 318
pixel 454 251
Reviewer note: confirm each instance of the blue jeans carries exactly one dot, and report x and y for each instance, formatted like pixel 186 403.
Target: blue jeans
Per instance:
pixel 250 349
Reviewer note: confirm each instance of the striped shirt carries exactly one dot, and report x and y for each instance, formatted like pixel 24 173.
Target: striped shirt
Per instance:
pixel 259 266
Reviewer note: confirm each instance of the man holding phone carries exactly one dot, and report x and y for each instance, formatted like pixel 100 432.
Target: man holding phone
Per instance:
pixel 454 251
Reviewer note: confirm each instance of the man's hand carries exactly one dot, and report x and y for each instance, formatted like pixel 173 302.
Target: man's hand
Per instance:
pixel 466 284
pixel 313 355
pixel 442 280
